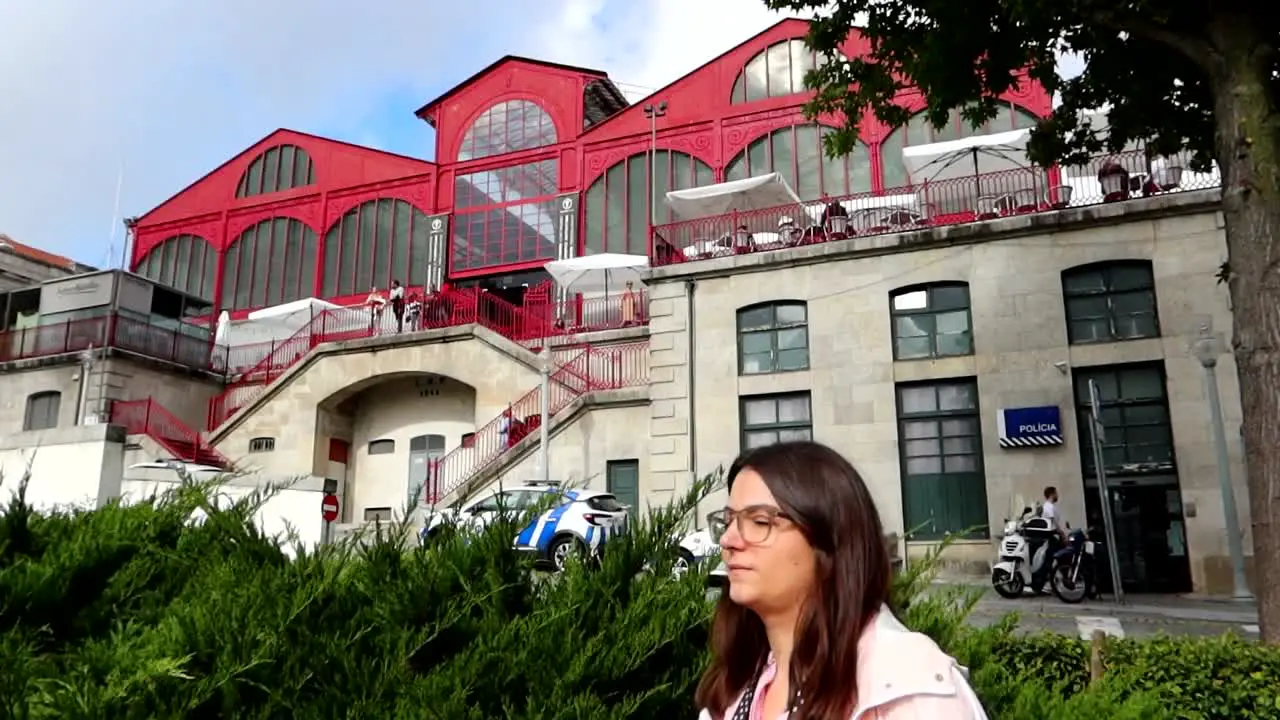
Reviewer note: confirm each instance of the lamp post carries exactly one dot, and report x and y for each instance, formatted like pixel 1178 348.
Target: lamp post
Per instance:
pixel 653 112
pixel 544 420
pixel 1207 348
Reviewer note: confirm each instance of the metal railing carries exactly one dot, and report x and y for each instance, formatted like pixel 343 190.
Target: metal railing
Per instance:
pixel 150 418
pixel 954 201
pixel 590 368
pixel 110 331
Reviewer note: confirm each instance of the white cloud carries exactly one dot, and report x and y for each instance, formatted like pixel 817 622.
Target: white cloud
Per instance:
pixel 171 90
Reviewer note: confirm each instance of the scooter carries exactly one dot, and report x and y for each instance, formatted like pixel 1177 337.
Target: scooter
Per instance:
pixel 1074 567
pixel 1023 554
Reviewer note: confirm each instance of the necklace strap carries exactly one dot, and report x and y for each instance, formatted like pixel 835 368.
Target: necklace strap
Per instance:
pixel 743 711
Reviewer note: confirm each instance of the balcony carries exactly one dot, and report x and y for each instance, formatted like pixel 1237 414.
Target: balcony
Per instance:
pixel 116 331
pixel 979 198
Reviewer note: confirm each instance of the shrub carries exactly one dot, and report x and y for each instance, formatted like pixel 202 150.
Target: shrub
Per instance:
pixel 139 612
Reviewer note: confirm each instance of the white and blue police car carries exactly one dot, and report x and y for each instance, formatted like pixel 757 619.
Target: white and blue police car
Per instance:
pixel 580 521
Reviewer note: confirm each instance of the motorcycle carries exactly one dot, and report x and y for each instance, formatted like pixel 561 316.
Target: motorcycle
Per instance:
pixel 1023 554
pixel 1074 566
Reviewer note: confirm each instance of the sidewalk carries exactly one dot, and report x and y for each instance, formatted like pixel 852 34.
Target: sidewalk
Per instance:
pixel 1157 607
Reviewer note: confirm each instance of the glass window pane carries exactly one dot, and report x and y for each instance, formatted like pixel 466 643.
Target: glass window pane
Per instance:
pixel 957 397
pixel 960 446
pixel 795 435
pixel 399 226
pixel 913 326
pixel 1090 330
pixel 757 363
pixel 952 322
pixel 635 240
pixel 1143 301
pixel 920 399
pixel 960 426
pixel 806 149
pixel 1085 308
pixel 332 246
pixel 783 155
pixel 382 251
pixel 760 438
pixel 914 348
pixel 755 318
pixel 757 342
pixel 367 242
pixel 916 300
pixel 960 464
pixel 758 157
pixel 271 170
pixel 286 168
pixel 294 257
pixel 778 59
pixel 230 269
pixel 1130 277
pixel 793 359
pixel 347 283
pixel 955 344
pixel 593 218
pixel 244 275
pixel 793 338
pixel 920 448
pixel 1135 326
pixel 757 79
pixel 950 297
pixel 793 409
pixel 1090 281
pixel 917 429
pixel 1141 384
pixel 760 412
pixel 792 314
pixel 1145 415
pixel 924 465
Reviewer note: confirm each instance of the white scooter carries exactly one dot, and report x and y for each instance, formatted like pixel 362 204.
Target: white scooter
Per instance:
pixel 1022 554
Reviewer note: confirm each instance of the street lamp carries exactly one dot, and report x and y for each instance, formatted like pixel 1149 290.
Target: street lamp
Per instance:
pixel 653 112
pixel 1207 347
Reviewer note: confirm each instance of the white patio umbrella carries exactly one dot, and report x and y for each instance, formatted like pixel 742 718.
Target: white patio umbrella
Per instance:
pixel 596 273
pixel 754 193
pixel 971 156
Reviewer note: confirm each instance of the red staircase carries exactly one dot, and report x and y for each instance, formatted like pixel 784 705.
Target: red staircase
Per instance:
pixel 451 308
pixel 595 368
pixel 150 418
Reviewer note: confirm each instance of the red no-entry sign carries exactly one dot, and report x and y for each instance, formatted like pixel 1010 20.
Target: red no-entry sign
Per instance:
pixel 329 508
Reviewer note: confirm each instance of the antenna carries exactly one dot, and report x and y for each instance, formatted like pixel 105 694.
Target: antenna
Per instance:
pixel 115 218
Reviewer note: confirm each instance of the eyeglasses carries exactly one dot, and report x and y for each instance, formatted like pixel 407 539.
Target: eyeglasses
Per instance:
pixel 754 523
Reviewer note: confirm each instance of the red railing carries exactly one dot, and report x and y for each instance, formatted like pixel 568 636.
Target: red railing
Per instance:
pixel 931 204
pixel 150 418
pixel 583 314
pixel 592 368
pixel 162 342
pixel 448 309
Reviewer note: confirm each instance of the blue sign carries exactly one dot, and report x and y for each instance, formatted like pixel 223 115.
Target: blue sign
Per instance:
pixel 1030 427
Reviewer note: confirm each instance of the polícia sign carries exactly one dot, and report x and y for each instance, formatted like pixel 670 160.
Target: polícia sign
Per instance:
pixel 1030 426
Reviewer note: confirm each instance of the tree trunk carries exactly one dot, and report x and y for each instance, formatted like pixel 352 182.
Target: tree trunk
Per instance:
pixel 1248 149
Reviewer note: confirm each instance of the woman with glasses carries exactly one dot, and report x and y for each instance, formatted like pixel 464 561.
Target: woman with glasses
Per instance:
pixel 803 631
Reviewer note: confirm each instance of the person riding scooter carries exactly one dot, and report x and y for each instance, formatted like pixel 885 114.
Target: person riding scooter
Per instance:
pixel 1050 511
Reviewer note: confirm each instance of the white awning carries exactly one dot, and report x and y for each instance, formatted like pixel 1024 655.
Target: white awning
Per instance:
pixel 753 193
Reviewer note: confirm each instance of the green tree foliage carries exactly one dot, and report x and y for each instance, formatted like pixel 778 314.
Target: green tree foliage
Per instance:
pixel 141 612
pixel 1199 75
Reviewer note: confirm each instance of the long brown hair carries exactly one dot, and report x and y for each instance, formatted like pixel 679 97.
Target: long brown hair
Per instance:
pixel 829 502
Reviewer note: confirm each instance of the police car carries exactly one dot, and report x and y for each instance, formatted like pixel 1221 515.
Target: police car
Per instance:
pixel 580 521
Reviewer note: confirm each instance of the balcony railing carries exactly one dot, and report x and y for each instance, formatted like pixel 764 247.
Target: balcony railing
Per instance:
pixel 150 418
pixel 932 204
pixel 111 331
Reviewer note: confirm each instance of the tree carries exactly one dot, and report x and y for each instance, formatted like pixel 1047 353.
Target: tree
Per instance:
pixel 1195 75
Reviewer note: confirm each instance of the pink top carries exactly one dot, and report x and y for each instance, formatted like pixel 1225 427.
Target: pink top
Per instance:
pixel 902 675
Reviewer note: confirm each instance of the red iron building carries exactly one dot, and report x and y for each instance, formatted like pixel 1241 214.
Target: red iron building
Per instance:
pixel 535 161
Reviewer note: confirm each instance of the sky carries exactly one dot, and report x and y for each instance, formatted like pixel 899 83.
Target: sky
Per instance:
pixel 146 96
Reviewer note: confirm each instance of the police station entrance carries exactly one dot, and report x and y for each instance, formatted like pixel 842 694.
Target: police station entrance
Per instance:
pixel 1142 477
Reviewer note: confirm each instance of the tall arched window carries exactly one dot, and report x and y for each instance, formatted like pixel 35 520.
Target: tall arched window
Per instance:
pixel 776 72
pixel 618 202
pixel 282 167
pixel 185 262
pixel 918 131
pixel 374 243
pixel 272 262
pixel 506 127
pixel 796 153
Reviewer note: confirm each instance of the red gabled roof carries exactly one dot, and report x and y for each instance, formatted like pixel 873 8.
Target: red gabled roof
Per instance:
pixel 431 105
pixel 284 136
pixel 635 106
pixel 37 255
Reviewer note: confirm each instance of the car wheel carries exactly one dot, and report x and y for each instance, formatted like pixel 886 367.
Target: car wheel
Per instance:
pixel 685 561
pixel 562 548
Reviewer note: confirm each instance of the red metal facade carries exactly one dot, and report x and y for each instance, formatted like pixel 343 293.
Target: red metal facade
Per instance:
pixel 710 120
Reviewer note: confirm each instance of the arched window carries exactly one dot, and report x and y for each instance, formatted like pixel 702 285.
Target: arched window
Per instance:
pixel 282 167
pixel 507 127
pixel 918 131
pixel 185 262
pixel 773 337
pixel 796 153
pixel 776 72
pixel 42 410
pixel 931 321
pixel 272 262
pixel 374 243
pixel 618 202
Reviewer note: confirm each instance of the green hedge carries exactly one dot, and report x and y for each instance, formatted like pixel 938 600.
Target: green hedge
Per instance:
pixel 138 612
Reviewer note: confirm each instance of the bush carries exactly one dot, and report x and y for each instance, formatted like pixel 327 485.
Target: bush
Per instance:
pixel 139 612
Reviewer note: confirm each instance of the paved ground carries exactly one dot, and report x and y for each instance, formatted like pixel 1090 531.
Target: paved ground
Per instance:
pixel 1139 616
